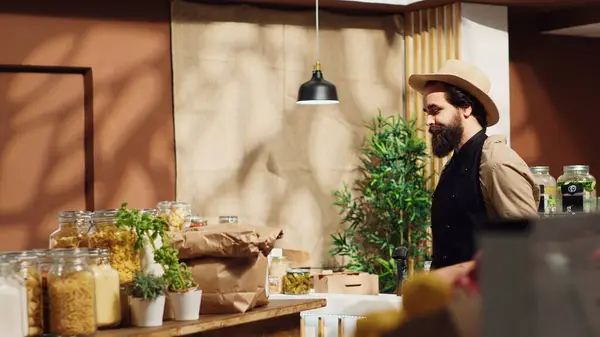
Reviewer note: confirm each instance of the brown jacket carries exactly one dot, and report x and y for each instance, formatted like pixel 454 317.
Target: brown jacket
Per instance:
pixel 509 190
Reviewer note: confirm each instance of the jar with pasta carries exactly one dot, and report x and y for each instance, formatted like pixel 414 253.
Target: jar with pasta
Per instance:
pixel 107 289
pixel 176 214
pixel 124 258
pixel 28 268
pixel 45 259
pixel 73 230
pixel 71 293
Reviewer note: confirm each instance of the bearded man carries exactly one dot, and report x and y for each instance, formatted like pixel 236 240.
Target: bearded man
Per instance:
pixel 484 179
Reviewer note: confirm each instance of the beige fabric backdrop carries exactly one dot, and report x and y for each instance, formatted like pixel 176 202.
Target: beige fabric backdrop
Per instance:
pixel 243 146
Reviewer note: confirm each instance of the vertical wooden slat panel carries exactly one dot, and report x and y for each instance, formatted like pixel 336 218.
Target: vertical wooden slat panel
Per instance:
pixel 431 37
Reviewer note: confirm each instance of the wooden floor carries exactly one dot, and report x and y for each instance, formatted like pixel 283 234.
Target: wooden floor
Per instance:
pixel 280 318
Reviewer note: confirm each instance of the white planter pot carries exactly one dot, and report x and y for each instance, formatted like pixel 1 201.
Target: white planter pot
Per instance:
pixel 186 306
pixel 147 313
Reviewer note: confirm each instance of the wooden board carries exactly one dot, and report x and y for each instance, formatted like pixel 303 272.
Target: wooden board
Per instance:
pixel 284 311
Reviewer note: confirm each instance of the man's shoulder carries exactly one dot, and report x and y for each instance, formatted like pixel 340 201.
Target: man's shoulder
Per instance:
pixel 496 152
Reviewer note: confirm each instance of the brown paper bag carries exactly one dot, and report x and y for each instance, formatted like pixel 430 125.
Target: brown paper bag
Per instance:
pixel 229 263
pixel 230 285
pixel 226 240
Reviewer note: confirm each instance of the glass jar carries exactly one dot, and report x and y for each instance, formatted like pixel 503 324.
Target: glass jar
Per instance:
pixel 27 265
pixel 12 296
pixel 163 209
pixel 228 219
pixel 73 230
pixel 196 221
pixel 576 190
pixel 124 258
pixel 45 258
pixel 175 213
pixel 71 293
pixel 547 184
pixel 297 282
pixel 107 289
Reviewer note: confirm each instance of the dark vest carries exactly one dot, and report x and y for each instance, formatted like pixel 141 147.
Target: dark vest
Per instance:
pixel 458 208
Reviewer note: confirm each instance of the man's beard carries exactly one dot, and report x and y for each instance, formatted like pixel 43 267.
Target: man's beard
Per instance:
pixel 446 138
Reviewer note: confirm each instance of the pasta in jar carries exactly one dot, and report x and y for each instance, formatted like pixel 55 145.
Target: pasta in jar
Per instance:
pixel 124 258
pixel 73 229
pixel 71 296
pixel 27 263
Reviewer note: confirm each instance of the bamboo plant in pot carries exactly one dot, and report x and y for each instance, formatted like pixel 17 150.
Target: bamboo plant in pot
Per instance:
pixel 147 300
pixel 388 206
pixel 183 293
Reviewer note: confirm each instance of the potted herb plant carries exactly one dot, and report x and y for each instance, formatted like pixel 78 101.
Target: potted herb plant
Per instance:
pixel 183 293
pixel 147 300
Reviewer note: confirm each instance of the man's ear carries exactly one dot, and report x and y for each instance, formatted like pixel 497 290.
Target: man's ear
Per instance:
pixel 466 112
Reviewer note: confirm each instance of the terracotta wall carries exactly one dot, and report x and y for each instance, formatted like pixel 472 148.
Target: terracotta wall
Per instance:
pixel 554 87
pixel 85 111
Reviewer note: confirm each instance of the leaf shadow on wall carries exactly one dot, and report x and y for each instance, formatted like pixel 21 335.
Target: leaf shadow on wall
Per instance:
pixel 41 129
pixel 272 162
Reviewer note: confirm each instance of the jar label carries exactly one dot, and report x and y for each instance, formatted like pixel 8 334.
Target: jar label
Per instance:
pixel 572 197
pixel 547 199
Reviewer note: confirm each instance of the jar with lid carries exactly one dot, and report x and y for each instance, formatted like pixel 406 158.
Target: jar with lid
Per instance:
pixel 196 222
pixel 27 266
pixel 576 190
pixel 228 219
pixel 107 289
pixel 297 282
pixel 71 293
pixel 547 185
pixel 45 259
pixel 124 257
pixel 73 230
pixel 13 311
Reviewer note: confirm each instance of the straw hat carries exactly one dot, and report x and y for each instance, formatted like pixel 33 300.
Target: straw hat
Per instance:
pixel 465 76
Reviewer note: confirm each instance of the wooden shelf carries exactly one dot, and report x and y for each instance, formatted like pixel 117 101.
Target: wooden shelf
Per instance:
pixel 275 309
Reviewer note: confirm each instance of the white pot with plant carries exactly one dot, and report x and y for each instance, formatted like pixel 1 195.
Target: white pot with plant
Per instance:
pixel 184 295
pixel 147 300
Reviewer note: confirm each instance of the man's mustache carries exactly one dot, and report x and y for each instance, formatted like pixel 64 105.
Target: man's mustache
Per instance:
pixel 436 129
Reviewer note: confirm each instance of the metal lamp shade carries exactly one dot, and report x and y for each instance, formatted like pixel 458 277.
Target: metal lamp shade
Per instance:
pixel 317 91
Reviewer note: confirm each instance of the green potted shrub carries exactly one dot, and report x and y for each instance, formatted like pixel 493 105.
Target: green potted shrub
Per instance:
pixel 388 205
pixel 182 291
pixel 147 300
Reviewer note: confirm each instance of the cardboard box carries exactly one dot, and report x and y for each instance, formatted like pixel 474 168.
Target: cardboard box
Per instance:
pixel 347 283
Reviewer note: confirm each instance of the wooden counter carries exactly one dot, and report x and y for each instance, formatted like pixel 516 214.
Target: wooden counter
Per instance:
pixel 280 318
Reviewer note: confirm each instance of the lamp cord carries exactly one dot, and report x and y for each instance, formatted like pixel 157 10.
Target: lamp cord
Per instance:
pixel 317 29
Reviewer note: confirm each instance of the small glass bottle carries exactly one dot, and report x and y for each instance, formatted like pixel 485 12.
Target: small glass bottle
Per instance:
pixel 12 296
pixel 120 241
pixel 73 230
pixel 107 289
pixel 547 184
pixel 576 190
pixel 71 293
pixel 163 209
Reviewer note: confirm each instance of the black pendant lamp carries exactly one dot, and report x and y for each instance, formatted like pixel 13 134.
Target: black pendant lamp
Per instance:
pixel 317 91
